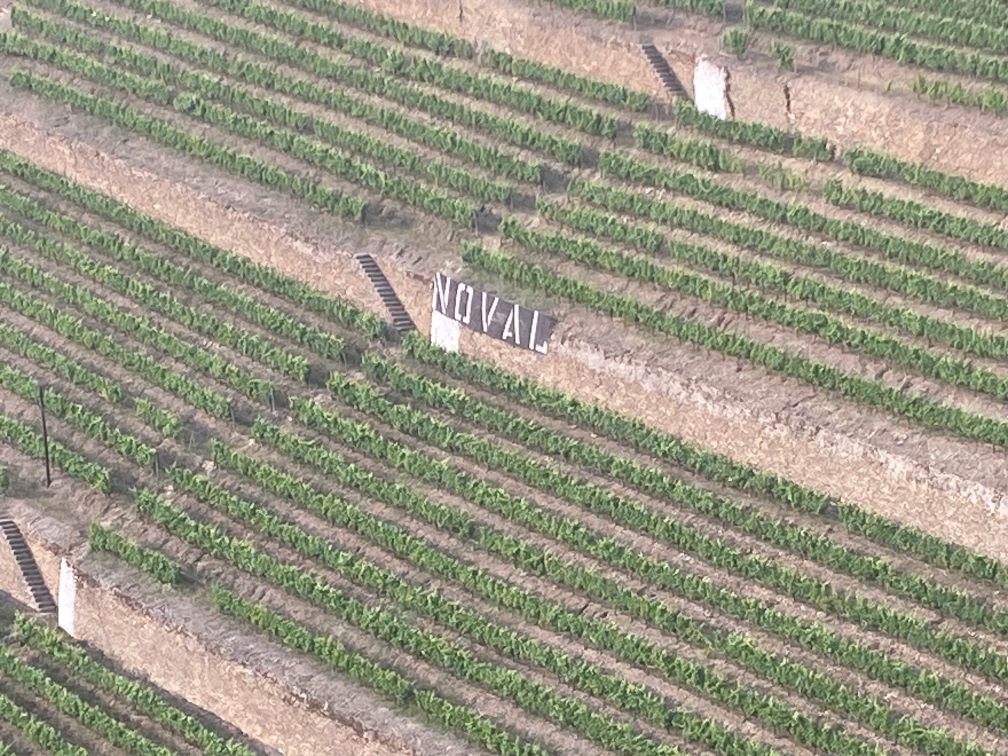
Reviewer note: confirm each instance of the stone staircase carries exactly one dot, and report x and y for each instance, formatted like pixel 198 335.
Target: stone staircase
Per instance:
pixel 29 569
pixel 401 321
pixel 664 72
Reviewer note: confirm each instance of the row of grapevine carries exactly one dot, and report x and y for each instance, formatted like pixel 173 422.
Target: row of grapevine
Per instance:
pixel 856 269
pixel 944 28
pixel 987 99
pixel 701 154
pixel 916 215
pixel 832 330
pixel 166 423
pixel 754 134
pixel 572 575
pixel 872 40
pixel 370 176
pixel 818 593
pixel 78 416
pixel 220 91
pixel 919 409
pixel 802 217
pixel 37 730
pixel 635 699
pixel 617 10
pixel 279 323
pixel 452 656
pixel 584 540
pixel 870 163
pixel 426 70
pixel 141 328
pixel 391 684
pixel 718 468
pixel 388 87
pixel 138 695
pixel 802 541
pixel 187 143
pixel 131 359
pixel 613 94
pixel 150 561
pixel 776 278
pixel 249 272
pixel 110 729
pixel 61 365
pixel 28 441
pixel 441 43
pixel 436 42
pixel 707 7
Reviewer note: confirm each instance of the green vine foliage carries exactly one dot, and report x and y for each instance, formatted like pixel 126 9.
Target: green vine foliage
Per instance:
pixel 918 409
pixel 150 561
pixel 870 163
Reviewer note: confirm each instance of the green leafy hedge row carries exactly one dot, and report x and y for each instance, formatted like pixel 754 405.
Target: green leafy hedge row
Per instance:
pixel 799 216
pixel 387 682
pixel 37 730
pixel 870 163
pixel 141 328
pixel 150 561
pixel 364 79
pixel 141 697
pixel 340 164
pixel 857 269
pixel 254 274
pixel 66 701
pixel 987 99
pixel 132 359
pixel 832 330
pixel 918 409
pixel 407 34
pixel 652 481
pixel 917 215
pixel 612 94
pixel 899 47
pixel 164 422
pixel 754 134
pixel 698 153
pixel 275 112
pixel 78 416
pixel 818 593
pixel 427 70
pixel 609 550
pixel 29 442
pixel 63 366
pixel 772 277
pixel 187 143
pixel 940 26
pixel 618 10
pixel 721 469
pixel 655 572
pixel 592 679
pixel 452 656
pixel 157 299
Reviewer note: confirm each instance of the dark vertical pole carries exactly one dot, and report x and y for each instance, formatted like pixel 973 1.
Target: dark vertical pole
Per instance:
pixel 45 436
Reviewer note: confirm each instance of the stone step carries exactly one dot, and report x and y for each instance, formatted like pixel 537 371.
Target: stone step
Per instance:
pixel 401 320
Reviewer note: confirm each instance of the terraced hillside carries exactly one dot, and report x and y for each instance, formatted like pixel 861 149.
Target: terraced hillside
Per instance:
pixel 871 286
pixel 60 698
pixel 433 553
pixel 526 572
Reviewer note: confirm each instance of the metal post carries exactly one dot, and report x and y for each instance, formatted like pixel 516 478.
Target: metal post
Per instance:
pixel 45 436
